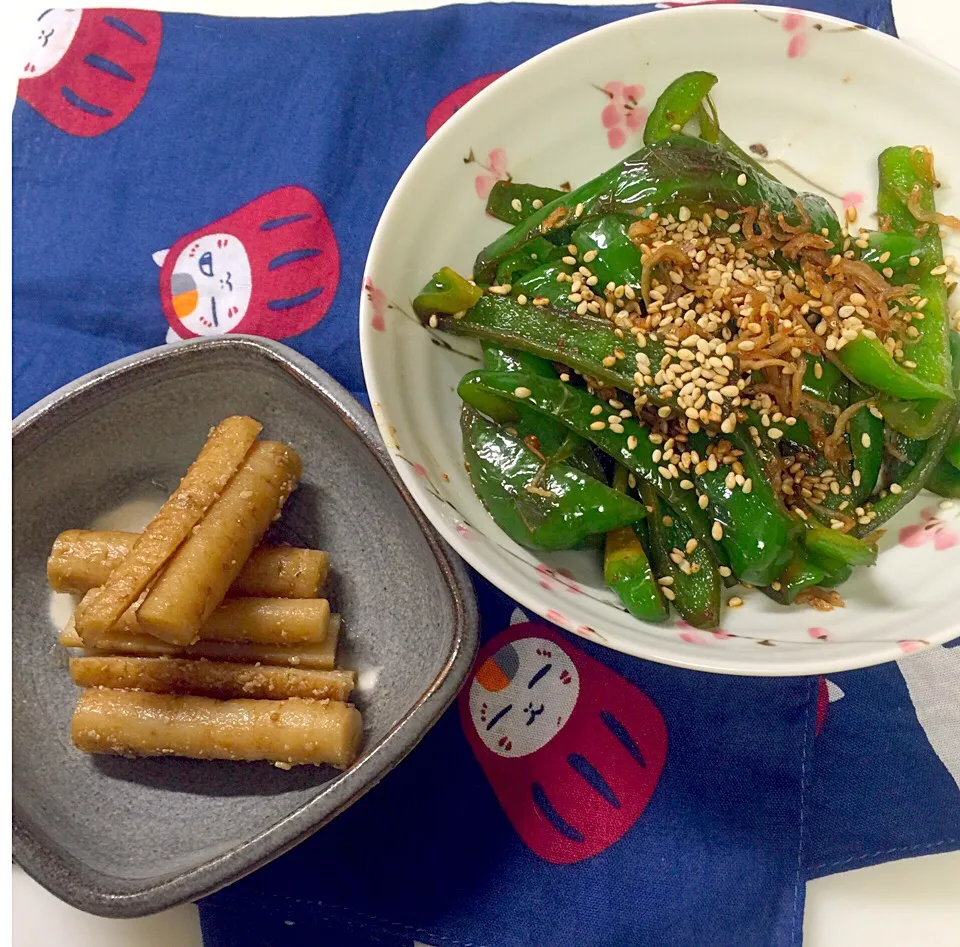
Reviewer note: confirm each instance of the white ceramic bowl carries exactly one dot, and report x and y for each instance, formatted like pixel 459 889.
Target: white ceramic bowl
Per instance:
pixel 824 97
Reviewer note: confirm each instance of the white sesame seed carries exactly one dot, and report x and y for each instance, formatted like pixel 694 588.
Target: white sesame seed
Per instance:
pixel 632 442
pixel 597 409
pixel 501 290
pixel 683 215
pixel 914 261
pixel 895 488
pixel 865 439
pixel 734 601
pixel 522 300
pixel 703 501
pixel 589 256
pixel 578 211
pixel 939 270
pixel 856 478
pixel 774 433
pixel 569 260
pixel 887 271
pixel 433 321
pixel 597 426
pixel 522 392
pixel 747 485
pixel 516 205
pixel 665 580
pixel 691 547
pixel 725 571
pixel 741 179
pixel 717 531
pixel 668 593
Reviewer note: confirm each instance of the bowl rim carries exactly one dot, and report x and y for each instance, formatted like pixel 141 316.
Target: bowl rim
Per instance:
pixel 840 657
pixel 333 796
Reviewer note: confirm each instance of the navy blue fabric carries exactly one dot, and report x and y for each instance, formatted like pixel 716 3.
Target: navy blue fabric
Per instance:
pixel 740 816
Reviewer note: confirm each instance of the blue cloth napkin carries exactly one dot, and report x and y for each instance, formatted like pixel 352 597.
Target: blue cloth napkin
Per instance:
pixel 673 807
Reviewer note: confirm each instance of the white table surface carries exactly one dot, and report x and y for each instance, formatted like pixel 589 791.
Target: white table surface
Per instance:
pixel 911 902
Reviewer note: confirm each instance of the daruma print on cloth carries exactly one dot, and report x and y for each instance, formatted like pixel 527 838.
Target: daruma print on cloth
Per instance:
pixel 456 100
pixel 87 70
pixel 270 268
pixel 572 750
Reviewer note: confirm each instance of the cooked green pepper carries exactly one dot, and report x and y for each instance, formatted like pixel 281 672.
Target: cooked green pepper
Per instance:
pixel 627 570
pixel 907 181
pixel 944 480
pixel 866 445
pixel 801 574
pixel 538 505
pixel 663 176
pixel 447 293
pixel 695 594
pixel 500 203
pixel 581 342
pixel 533 256
pixel 832 549
pixel 541 433
pixel 617 260
pixel 678 103
pixel 952 454
pixel 890 253
pixel 575 407
pixel 759 535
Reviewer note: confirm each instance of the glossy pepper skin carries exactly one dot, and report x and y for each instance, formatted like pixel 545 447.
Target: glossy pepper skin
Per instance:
pixel 627 569
pixel 696 595
pixel 866 445
pixel 905 173
pixel 581 342
pixel 448 292
pixel 832 549
pixel 502 467
pixel 803 573
pixel 573 406
pixel 535 255
pixel 678 103
pixel 952 454
pixel 617 260
pixel 504 193
pixel 676 171
pixel 759 535
pixel 944 480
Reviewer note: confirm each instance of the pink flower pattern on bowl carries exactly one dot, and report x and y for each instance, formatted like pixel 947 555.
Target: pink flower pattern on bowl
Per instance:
pixel 623 114
pixel 795 23
pixel 932 529
pixel 495 170
pixel 378 302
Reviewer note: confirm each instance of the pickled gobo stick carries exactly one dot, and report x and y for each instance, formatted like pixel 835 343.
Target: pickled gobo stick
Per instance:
pixel 290 732
pixel 321 656
pixel 220 679
pixel 82 559
pixel 198 575
pixel 226 447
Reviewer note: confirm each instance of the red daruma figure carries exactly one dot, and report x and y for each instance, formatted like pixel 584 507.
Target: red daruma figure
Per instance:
pixel 270 268
pixel 572 750
pixel 85 71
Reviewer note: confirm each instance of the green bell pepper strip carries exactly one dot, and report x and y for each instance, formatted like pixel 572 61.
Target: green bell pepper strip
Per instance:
pixel 912 482
pixel 552 439
pixel 533 256
pixel 580 342
pixel 904 173
pixel 832 549
pixel 801 574
pixel 902 247
pixel 542 282
pixel 944 480
pixel 920 419
pixel 501 469
pixel 504 193
pixel 572 406
pixel 866 445
pixel 678 103
pixel 697 594
pixel 663 176
pixel 617 259
pixel 447 292
pixel 909 449
pixel 759 535
pixel 874 367
pixel 627 569
pixel 952 454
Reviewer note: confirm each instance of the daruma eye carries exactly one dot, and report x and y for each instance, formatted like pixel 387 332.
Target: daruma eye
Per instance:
pixel 205 263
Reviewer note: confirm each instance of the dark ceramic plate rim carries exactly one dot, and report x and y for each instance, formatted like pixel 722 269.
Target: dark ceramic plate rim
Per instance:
pixel 335 796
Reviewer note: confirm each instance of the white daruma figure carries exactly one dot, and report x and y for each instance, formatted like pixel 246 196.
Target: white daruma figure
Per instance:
pixel 51 38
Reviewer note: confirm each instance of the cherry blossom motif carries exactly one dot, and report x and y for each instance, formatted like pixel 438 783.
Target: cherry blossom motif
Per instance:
pixel 720 634
pixel 555 617
pixel 932 529
pixel 622 114
pixel 796 23
pixel 820 634
pixel 910 646
pixel 496 170
pixel 562 576
pixel 692 637
pixel 420 469
pixel 378 302
pixel 853 199
pixel 465 531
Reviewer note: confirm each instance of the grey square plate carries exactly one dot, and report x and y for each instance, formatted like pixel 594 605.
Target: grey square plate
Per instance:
pixel 129 837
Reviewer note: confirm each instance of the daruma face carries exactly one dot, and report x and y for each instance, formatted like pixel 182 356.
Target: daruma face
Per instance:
pixel 53 33
pixel 522 696
pixel 210 285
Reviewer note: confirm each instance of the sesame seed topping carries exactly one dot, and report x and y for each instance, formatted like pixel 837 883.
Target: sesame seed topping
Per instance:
pixel 914 261
pixel 590 256
pixel 522 300
pixel 597 409
pixel 668 593
pixel 725 571
pixel 578 211
pixel 734 601
pixel 939 270
pixel 632 442
pixel 747 485
pixel 865 439
pixel 536 203
pixel 501 290
pixel 516 205
pixel 597 426
pixel 717 531
pixel 570 260
pixel 741 179
pixel 522 392
pixel 895 488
